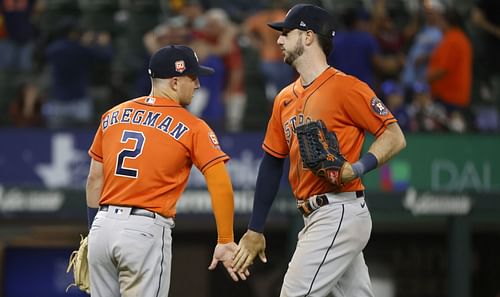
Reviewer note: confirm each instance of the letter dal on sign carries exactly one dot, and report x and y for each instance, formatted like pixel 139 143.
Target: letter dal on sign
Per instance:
pixel 448 176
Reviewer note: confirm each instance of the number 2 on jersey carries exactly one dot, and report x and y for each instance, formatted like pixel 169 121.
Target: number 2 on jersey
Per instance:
pixel 129 153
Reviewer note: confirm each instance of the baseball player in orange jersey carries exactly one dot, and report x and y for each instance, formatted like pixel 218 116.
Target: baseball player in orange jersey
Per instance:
pixel 328 256
pixel 142 155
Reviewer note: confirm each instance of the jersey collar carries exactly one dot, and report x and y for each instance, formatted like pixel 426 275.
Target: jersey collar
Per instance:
pixel 330 71
pixel 157 101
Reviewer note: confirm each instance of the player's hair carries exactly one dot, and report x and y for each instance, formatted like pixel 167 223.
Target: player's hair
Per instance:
pixel 326 44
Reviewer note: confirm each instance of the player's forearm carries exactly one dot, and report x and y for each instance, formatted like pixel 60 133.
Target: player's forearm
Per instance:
pixel 221 193
pixel 388 144
pixel 93 192
pixel 268 180
pixel 95 182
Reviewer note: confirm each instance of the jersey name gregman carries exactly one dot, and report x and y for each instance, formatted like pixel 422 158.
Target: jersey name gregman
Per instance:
pixel 152 130
pixel 145 118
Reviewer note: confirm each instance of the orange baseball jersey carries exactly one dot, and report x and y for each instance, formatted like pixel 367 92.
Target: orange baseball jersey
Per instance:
pixel 346 105
pixel 148 146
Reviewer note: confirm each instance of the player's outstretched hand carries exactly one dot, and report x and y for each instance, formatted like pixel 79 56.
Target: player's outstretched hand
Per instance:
pixel 251 244
pixel 225 253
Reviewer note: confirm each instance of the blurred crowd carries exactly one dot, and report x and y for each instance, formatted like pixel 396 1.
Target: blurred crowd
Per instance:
pixel 64 62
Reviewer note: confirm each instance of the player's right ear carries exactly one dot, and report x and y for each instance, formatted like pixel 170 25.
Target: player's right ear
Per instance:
pixel 174 83
pixel 310 36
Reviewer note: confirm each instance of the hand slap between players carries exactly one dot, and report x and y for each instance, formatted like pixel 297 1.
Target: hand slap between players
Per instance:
pixel 251 244
pixel 224 253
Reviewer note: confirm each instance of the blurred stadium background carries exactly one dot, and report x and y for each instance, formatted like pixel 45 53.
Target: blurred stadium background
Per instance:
pixel 435 208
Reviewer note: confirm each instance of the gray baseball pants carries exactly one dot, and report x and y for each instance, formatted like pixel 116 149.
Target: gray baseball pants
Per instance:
pixel 129 255
pixel 328 257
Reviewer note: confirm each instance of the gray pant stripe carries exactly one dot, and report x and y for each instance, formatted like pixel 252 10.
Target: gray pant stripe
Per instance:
pixel 162 257
pixel 324 258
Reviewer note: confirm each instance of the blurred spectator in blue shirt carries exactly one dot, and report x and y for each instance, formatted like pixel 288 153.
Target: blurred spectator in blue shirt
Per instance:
pixel 415 68
pixel 208 100
pixel 357 52
pixel 69 58
pixel 17 49
pixel 393 93
pixel 487 119
pixel 355 49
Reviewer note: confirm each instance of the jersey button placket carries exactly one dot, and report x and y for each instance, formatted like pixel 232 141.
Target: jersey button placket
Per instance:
pixel 299 109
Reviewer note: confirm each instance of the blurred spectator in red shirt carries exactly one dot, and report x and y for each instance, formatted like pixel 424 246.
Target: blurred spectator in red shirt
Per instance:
pixel 450 67
pixel 450 70
pixel 25 109
pixel 391 39
pixel 3 31
pixel 222 35
pixel 276 73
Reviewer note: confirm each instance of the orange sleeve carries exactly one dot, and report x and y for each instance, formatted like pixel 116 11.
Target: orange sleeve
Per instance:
pixel 367 110
pixel 95 151
pixel 221 193
pixel 205 148
pixel 274 140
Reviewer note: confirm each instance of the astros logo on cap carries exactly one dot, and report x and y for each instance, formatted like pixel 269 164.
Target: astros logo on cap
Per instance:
pixel 180 66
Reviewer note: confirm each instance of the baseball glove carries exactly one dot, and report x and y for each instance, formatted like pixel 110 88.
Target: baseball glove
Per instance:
pixel 79 264
pixel 319 150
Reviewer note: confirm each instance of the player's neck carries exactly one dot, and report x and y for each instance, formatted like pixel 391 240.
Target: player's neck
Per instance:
pixel 310 69
pixel 163 93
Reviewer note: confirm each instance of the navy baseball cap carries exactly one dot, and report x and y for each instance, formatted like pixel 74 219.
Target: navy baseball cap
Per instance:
pixel 176 60
pixel 307 17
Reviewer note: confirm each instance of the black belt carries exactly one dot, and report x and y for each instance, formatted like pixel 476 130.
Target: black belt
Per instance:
pixel 135 211
pixel 311 204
